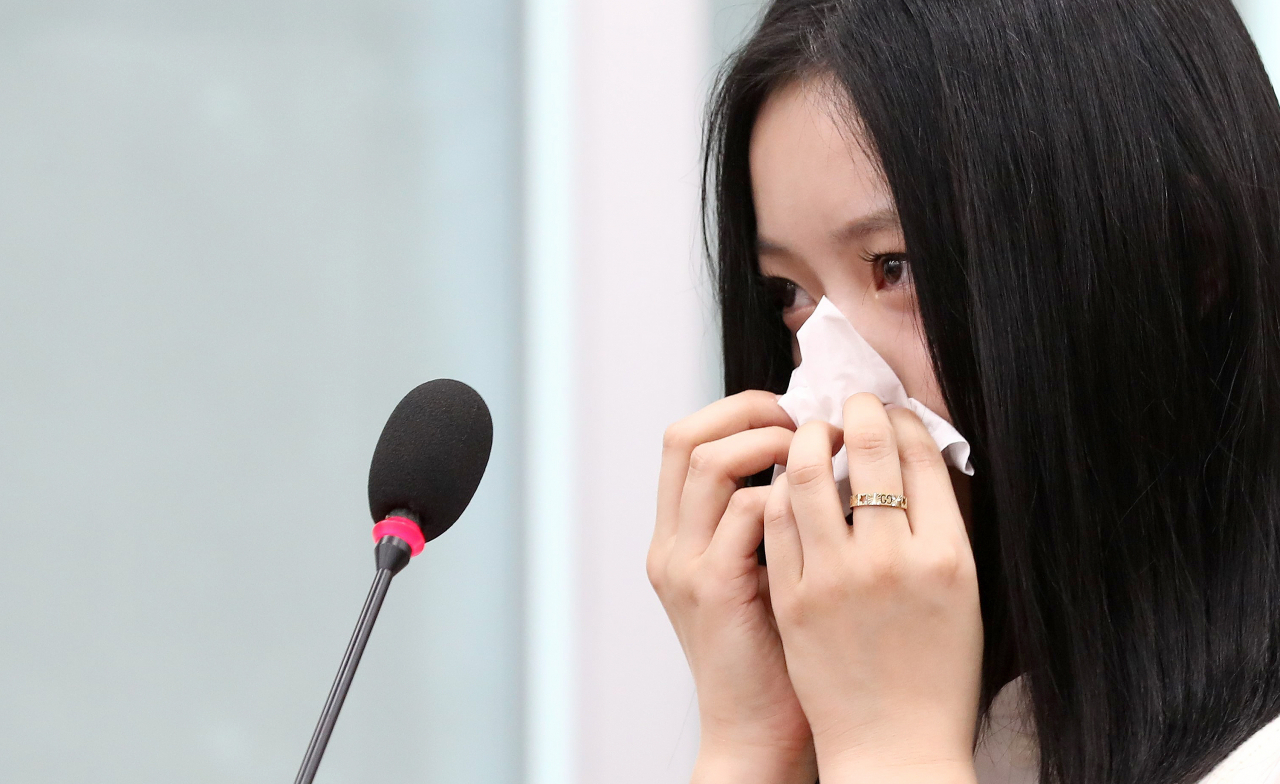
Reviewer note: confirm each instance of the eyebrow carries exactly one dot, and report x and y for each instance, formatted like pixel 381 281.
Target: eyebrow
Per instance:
pixel 872 222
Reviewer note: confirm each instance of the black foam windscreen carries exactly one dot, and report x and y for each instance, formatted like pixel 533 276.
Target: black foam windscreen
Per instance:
pixel 431 455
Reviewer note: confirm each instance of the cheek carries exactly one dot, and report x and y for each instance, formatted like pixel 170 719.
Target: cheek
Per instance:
pixel 916 373
pixel 900 340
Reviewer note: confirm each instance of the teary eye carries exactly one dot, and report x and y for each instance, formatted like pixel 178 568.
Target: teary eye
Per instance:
pixel 781 292
pixel 792 302
pixel 890 269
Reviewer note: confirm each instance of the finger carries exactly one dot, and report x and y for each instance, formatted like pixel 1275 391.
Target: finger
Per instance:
pixel 742 527
pixel 872 446
pixel 733 414
pixel 818 510
pixel 932 510
pixel 715 469
pixel 783 551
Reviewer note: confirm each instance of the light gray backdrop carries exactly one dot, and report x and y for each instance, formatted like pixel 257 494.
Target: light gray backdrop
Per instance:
pixel 232 235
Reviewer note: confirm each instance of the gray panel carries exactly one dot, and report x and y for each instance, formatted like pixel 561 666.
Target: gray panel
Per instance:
pixel 231 236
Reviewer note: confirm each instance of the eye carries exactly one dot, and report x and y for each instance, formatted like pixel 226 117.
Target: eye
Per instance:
pixel 890 270
pixel 792 302
pixel 780 291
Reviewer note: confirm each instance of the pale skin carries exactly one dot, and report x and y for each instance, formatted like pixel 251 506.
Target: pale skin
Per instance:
pixel 855 655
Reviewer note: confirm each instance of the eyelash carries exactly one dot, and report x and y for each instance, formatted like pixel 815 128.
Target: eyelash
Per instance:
pixel 878 261
pixel 779 289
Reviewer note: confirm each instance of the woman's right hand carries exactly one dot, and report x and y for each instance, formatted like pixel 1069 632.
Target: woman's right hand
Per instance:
pixel 702 563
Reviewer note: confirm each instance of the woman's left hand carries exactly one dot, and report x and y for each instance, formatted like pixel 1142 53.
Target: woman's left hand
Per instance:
pixel 879 620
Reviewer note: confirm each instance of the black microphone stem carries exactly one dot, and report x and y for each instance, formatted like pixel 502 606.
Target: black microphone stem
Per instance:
pixel 391 555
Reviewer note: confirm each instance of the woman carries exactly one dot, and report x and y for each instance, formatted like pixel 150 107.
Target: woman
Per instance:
pixel 1059 223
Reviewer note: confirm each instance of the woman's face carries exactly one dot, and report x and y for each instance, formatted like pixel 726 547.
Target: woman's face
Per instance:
pixel 828 227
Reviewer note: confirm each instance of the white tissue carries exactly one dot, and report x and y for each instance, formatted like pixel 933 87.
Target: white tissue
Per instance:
pixel 837 363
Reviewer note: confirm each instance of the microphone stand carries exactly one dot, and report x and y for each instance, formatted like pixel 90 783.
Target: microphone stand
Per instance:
pixel 391 554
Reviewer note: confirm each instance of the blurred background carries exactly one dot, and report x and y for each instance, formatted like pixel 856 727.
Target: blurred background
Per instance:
pixel 233 235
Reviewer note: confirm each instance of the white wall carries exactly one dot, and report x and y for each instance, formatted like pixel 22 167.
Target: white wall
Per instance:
pixel 611 697
pixel 640 348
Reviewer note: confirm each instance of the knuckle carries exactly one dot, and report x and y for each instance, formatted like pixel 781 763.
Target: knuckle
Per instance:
pixel 827 588
pixel 871 441
pixel 718 574
pixel 902 417
pixel 863 401
pixel 806 476
pixel 677 438
pixel 816 430
pixel 880 569
pixel 775 513
pixel 680 586
pixel 743 503
pixel 918 452
pixel 657 576
pixel 655 567
pixel 941 564
pixel 781 435
pixel 702 460
pixel 706 590
pixel 789 609
pixel 754 396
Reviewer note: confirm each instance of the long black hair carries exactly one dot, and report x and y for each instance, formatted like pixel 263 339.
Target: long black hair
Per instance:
pixel 1090 196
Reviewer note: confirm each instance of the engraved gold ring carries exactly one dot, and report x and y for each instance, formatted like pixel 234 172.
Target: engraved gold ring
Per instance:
pixel 878 499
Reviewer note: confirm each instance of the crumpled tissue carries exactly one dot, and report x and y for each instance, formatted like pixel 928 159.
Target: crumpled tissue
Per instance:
pixel 836 363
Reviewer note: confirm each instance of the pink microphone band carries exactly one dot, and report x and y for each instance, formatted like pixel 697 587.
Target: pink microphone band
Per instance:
pixel 403 528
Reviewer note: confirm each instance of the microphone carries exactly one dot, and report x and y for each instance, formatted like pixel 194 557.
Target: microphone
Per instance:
pixel 426 467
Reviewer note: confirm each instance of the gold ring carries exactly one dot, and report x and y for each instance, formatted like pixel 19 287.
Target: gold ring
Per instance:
pixel 878 499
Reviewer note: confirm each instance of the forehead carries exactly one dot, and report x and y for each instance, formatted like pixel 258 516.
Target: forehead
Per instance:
pixel 809 170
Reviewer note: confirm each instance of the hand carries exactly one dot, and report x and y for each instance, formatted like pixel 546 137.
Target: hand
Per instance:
pixel 702 563
pixel 879 619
